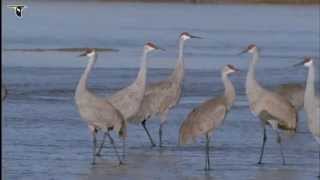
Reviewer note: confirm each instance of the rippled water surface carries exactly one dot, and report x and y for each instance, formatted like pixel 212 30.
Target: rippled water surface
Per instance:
pixel 44 137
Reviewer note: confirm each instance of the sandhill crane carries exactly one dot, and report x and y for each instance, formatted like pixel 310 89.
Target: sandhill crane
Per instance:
pixel 312 101
pixel 128 100
pixel 162 96
pixel 210 114
pixel 269 106
pixel 99 113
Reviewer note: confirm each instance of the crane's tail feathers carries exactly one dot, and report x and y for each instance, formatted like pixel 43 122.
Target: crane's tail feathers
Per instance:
pixel 185 133
pixel 290 133
pixel 183 138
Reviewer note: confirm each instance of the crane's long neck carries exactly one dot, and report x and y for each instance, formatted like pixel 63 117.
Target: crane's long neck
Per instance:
pixel 141 77
pixel 178 72
pixel 82 85
pixel 251 83
pixel 310 87
pixel 229 90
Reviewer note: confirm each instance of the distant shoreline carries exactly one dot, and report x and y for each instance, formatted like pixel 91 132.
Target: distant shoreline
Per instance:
pixel 223 1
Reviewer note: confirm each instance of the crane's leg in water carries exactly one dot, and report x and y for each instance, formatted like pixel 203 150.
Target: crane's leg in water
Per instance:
pixel 143 123
pixel 114 147
pixel 207 167
pixel 94 141
pixel 281 149
pixel 123 148
pixel 319 166
pixel 163 118
pixel 263 144
pixel 160 135
pixel 101 145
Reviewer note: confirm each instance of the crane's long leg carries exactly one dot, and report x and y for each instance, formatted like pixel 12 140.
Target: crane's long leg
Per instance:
pixel 101 145
pixel 281 149
pixel 263 144
pixel 123 148
pixel 207 167
pixel 319 165
pixel 163 118
pixel 94 141
pixel 143 123
pixel 160 135
pixel 114 147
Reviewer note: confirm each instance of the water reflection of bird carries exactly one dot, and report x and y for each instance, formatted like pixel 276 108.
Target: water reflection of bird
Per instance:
pixel 312 101
pixel 162 96
pixel 209 115
pixel 272 108
pixel 18 9
pixel 99 113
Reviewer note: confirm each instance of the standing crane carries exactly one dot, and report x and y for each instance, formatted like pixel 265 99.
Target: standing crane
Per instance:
pixel 272 108
pixel 128 100
pixel 209 115
pixel 98 112
pixel 312 101
pixel 162 96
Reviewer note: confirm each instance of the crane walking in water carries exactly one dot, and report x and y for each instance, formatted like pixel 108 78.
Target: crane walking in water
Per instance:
pixel 128 100
pixel 269 106
pixel 312 101
pixel 209 115
pixel 162 96
pixel 99 113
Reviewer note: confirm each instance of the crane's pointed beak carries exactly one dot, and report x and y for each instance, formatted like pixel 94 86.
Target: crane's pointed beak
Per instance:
pixel 195 37
pixel 236 70
pixel 244 51
pixel 299 64
pixel 159 48
pixel 82 54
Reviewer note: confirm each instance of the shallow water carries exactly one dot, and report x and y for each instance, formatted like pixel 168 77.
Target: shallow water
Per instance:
pixel 44 137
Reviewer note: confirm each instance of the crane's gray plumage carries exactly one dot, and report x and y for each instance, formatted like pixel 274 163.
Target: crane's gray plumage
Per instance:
pixel 272 108
pixel 162 96
pixel 293 92
pixel 312 102
pixel 99 113
pixel 128 100
pixel 209 115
